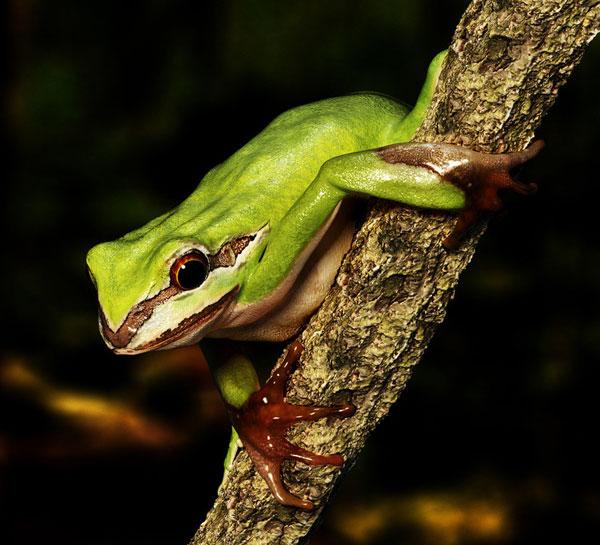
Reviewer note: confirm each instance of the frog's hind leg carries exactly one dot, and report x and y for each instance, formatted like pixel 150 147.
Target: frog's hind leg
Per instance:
pixel 408 126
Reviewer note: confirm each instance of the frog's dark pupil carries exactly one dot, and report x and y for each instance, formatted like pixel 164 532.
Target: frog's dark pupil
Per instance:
pixel 191 274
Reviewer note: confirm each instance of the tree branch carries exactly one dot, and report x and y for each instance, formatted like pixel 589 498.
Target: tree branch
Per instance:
pixel 506 63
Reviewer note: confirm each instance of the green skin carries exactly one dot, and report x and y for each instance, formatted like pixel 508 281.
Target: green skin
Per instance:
pixel 290 177
pixel 281 188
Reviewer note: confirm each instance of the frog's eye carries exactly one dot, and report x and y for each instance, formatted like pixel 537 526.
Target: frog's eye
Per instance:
pixel 189 271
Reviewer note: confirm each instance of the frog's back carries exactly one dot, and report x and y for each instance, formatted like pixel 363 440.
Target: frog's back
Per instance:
pixel 306 136
pixel 361 119
pixel 261 181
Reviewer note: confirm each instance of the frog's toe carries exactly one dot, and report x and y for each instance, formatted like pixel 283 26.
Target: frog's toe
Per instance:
pixel 490 177
pixel 269 468
pixel 312 458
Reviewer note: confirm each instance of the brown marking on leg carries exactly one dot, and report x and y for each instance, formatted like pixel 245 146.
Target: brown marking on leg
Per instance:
pixel 479 175
pixel 262 424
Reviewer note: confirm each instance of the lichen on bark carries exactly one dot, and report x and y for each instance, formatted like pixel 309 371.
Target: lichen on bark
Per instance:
pixel 506 64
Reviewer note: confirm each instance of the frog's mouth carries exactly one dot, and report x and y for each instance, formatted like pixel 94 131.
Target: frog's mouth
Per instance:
pixel 188 331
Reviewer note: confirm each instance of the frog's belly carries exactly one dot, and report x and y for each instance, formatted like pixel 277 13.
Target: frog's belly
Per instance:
pixel 293 304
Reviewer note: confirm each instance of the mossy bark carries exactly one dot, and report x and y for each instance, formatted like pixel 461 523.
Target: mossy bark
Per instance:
pixel 507 61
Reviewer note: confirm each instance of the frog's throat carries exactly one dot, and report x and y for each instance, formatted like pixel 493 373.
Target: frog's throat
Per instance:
pixel 119 340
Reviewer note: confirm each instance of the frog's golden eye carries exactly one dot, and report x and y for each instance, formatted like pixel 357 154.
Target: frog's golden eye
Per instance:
pixel 189 271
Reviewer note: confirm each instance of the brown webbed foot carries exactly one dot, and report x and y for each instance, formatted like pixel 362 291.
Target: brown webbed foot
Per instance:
pixel 262 423
pixel 485 176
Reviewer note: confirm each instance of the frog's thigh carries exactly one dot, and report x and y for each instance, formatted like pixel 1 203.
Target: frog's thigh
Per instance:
pixel 236 379
pixel 366 173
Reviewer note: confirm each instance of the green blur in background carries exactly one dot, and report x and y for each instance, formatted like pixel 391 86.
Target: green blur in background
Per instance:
pixel 114 112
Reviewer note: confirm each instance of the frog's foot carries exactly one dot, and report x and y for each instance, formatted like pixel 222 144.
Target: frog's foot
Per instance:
pixel 489 174
pixel 262 423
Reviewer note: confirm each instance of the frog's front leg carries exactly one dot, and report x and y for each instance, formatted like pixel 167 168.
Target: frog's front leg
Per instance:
pixel 261 418
pixel 435 176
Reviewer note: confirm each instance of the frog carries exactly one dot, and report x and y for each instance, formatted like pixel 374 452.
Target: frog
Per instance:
pixel 252 252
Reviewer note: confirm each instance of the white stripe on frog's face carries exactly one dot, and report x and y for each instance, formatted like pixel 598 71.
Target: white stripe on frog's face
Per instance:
pixel 119 334
pixel 177 317
pixel 153 335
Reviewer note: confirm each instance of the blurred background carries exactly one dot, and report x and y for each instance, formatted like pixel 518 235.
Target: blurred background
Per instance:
pixel 113 112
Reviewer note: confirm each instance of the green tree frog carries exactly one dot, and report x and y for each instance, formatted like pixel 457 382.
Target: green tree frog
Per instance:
pixel 252 252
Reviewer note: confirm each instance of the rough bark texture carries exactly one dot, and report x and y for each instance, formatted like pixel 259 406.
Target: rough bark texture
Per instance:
pixel 506 63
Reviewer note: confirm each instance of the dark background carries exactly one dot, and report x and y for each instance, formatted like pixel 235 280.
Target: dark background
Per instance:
pixel 113 112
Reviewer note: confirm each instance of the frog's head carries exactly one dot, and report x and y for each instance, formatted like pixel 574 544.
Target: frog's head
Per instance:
pixel 158 290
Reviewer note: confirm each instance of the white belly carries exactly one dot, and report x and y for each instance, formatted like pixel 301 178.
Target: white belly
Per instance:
pixel 287 311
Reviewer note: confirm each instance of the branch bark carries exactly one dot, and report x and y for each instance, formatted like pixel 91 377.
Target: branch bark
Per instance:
pixel 506 63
